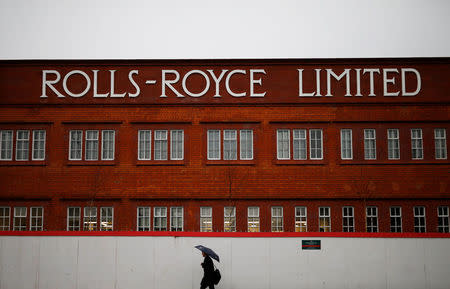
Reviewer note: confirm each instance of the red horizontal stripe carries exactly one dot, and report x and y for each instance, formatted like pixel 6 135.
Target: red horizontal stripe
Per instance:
pixel 224 234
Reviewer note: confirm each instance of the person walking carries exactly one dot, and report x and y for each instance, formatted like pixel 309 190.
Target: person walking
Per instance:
pixel 208 272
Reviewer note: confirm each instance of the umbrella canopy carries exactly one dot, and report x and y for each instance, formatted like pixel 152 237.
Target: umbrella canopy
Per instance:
pixel 208 252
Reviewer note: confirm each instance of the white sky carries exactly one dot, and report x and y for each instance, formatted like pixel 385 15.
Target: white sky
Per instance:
pixel 133 29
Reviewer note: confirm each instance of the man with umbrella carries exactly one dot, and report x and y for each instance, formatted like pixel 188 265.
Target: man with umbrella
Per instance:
pixel 208 267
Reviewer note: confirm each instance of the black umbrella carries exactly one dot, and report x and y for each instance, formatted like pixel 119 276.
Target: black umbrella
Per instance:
pixel 208 252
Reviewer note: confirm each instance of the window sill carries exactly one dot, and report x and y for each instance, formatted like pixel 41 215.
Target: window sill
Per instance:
pixel 230 162
pixel 22 163
pixel 300 162
pixel 393 162
pixel 91 163
pixel 160 163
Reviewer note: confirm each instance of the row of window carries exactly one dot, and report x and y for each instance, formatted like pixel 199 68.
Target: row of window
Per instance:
pixel 217 149
pixel 102 219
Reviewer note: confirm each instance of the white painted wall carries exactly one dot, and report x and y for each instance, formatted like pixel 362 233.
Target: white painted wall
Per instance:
pixel 259 263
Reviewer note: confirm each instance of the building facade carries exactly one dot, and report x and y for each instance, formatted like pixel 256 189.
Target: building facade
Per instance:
pixel 325 145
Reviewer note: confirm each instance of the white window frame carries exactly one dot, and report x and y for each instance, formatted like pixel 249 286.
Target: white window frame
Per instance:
pixel 174 153
pixel 160 136
pixel 232 140
pixel 88 218
pixel 160 213
pixel 95 142
pixel 26 150
pixel 325 216
pixel 7 151
pixel 20 227
pixel 344 148
pixel 301 219
pixel 443 216
pixel 396 141
pixel 246 137
pixel 205 218
pixel 276 219
pixel 81 145
pixel 419 141
pixel 279 156
pixel 33 217
pixel 253 219
pixel 369 140
pixel 373 228
pixel 78 218
pixel 440 144
pixel 420 228
pixel 113 145
pixel 210 156
pixel 299 136
pixel 311 148
pixel 145 149
pixel 349 217
pixel 38 149
pixel 105 218
pixel 229 218
pixel 395 226
pixel 143 217
pixel 7 219
pixel 180 219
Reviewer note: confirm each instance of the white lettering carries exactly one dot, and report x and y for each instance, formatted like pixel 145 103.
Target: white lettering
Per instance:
pixel 96 94
pixel 358 82
pixel 88 83
pixel 217 80
pixel 387 80
pixel 130 78
pixel 256 81
pixel 338 78
pixel 50 83
pixel 227 83
pixel 300 85
pixel 371 71
pixel 169 82
pixel 206 86
pixel 419 82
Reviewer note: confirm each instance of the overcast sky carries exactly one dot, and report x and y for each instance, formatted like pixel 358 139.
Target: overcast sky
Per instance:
pixel 132 29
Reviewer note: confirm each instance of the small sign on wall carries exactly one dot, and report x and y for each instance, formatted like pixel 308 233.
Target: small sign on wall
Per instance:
pixel 310 244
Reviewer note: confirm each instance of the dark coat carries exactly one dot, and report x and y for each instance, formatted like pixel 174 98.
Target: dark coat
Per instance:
pixel 208 270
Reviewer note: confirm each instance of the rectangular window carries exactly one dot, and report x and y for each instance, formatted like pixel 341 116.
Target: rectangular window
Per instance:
pixel 38 145
pixel 22 145
pixel 283 147
pixel 299 144
pixel 205 219
pixel 160 219
pixel 393 144
pixel 4 218
pixel 229 219
pixel 6 144
pixel 36 219
pixel 176 144
pixel 253 219
pixel 443 219
pixel 348 219
pixel 440 143
pixel 372 219
pixel 90 219
pixel 106 218
pixel 324 219
pixel 144 144
pixel 246 144
pixel 346 144
pixel 396 219
pixel 229 145
pixel 370 144
pixel 416 144
pixel 75 144
pixel 91 145
pixel 315 144
pixel 143 218
pixel 176 219
pixel 108 144
pixel 419 219
pixel 160 145
pixel 213 144
pixel 73 218
pixel 277 219
pixel 300 219
pixel 20 219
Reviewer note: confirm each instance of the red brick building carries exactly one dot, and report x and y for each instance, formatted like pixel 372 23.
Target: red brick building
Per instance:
pixel 236 145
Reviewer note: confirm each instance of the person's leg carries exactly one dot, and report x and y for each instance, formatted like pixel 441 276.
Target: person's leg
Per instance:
pixel 203 284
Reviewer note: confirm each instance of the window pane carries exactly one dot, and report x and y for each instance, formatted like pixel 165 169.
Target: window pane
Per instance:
pixel 253 219
pixel 75 145
pixel 229 219
pixel 92 145
pixel 205 219
pixel 416 144
pixel 283 148
pixel 299 144
pixel 370 144
pixel 90 219
pixel 300 219
pixel 440 143
pixel 246 144
pixel 36 219
pixel 160 144
pixel 73 218
pixel 144 145
pixel 324 219
pixel 143 220
pixel 315 138
pixel 20 219
pixel 229 145
pixel 22 145
pixel 393 144
pixel 108 144
pixel 346 144
pixel 6 139
pixel 176 147
pixel 106 218
pixel 4 218
pixel 213 145
pixel 38 145
pixel 176 219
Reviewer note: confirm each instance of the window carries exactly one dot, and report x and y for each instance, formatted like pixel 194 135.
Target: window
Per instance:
pixel 36 218
pixel 253 219
pixel 106 218
pixel 419 219
pixel 76 144
pixel 38 145
pixel 20 219
pixel 160 145
pixel 22 145
pixel 176 144
pixel 440 144
pixel 396 219
pixel 4 218
pixel 144 144
pixel 443 219
pixel 108 145
pixel 277 219
pixel 348 219
pixel 416 144
pixel 246 144
pixel 6 144
pixel 393 144
pixel 229 217
pixel 346 144
pixel 143 218
pixel 205 219
pixel 160 219
pixel 213 144
pixel 90 219
pixel 315 144
pixel 91 145
pixel 324 219
pixel 229 145
pixel 370 143
pixel 283 147
pixel 299 144
pixel 300 219
pixel 372 219
pixel 73 218
pixel 176 219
